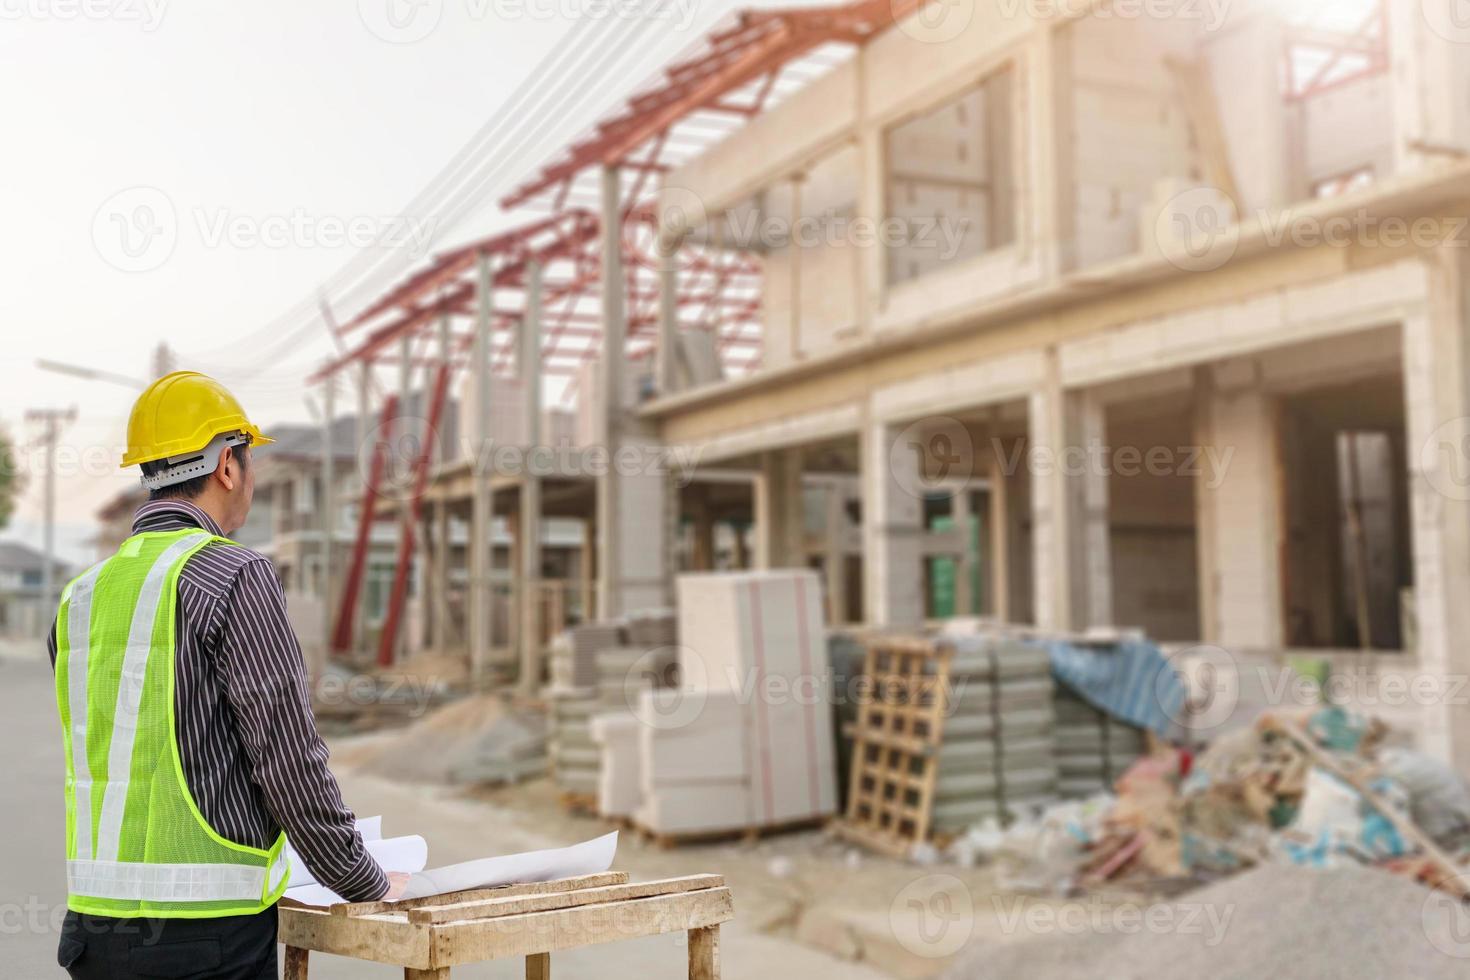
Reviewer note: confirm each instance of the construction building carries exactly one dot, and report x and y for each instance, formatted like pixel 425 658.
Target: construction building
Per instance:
pixel 1073 314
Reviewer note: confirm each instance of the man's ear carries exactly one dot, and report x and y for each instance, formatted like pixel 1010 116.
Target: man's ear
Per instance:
pixel 223 473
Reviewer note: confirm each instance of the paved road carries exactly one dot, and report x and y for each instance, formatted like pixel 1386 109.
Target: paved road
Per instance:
pixel 32 886
pixel 32 876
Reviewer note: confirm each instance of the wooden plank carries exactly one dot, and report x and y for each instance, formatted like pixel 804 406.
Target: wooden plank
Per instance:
pixel 379 938
pixel 409 973
pixel 1454 876
pixel 296 963
pixel 538 966
pixel 546 932
pixel 489 908
pixel 704 953
pixel 504 891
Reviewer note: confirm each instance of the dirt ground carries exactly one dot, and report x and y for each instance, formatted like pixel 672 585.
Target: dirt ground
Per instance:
pixel 806 904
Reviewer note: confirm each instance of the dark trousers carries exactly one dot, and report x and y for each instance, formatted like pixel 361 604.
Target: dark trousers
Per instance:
pixel 239 947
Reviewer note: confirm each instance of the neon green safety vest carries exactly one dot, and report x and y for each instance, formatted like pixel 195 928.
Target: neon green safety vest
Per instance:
pixel 136 844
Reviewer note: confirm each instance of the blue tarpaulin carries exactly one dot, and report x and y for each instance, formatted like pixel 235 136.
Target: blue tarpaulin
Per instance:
pixel 1129 680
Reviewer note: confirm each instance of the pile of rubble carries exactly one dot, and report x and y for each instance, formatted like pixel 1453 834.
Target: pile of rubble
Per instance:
pixel 1319 789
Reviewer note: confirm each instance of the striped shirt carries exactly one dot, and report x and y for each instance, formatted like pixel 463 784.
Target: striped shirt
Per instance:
pixel 247 739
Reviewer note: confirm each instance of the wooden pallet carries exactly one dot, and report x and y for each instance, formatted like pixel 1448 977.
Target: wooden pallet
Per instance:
pixel 579 804
pixel 896 740
pixel 429 936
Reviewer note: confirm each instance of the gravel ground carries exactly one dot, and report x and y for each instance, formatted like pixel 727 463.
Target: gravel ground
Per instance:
pixel 1342 924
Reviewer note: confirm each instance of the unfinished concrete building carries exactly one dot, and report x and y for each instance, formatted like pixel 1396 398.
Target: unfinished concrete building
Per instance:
pixel 1077 315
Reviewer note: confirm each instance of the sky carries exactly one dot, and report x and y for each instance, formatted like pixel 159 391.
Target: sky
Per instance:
pixel 189 173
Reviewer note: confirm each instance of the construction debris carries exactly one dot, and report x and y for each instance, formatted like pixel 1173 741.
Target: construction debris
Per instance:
pixel 1310 790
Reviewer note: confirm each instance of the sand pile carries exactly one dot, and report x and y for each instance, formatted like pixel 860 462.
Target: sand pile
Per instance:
pixel 478 739
pixel 1348 923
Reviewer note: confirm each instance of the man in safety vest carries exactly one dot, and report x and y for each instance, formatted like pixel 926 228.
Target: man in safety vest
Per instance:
pixel 191 751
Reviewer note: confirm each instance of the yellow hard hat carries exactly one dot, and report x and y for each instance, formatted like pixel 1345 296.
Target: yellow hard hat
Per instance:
pixel 181 413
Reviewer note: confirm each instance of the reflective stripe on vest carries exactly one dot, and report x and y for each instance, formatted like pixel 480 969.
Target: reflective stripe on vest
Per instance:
pixel 154 853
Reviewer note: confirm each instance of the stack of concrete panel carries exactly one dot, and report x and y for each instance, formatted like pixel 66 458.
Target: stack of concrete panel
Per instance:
pixel 759 635
pixel 620 674
pixel 694 773
pixel 997 756
pixel 759 752
pixel 619 781
pixel 653 628
pixel 1093 749
pixel 574 653
pixel 574 756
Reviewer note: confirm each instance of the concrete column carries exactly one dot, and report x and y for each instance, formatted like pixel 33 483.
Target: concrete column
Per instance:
pixel 667 351
pixel 528 577
pixel 610 385
pixel 364 465
pixel 633 500
pixel 1071 561
pixel 999 538
pixel 329 506
pixel 1437 393
pixel 479 604
pixel 779 517
pixel 835 565
pixel 1089 496
pixel 438 605
pixel 966 602
pixel 892 527
pixel 1240 528
pixel 696 499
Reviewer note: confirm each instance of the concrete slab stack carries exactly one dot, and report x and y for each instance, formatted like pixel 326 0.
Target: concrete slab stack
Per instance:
pixel 1092 749
pixel 745 742
pixel 997 756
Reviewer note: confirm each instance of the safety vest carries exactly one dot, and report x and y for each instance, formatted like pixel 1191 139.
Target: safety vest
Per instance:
pixel 136 844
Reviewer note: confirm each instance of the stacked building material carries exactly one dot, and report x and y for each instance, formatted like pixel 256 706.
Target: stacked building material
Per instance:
pixel 574 756
pixel 759 751
pixel 1092 749
pixel 597 674
pixel 574 653
pixel 618 776
pixel 694 772
pixel 653 628
pixel 997 752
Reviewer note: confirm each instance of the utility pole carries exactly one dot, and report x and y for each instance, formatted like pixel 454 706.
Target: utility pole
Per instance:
pixel 52 420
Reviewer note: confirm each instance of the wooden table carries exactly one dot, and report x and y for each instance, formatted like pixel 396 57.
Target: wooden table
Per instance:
pixel 429 936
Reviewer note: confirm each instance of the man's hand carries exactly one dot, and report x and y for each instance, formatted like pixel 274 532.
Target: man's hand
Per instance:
pixel 397 885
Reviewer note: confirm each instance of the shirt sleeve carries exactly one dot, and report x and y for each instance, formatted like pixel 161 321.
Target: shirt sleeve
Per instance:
pixel 264 679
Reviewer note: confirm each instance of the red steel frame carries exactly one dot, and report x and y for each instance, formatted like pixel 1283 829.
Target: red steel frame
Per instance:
pixel 735 75
pixel 342 631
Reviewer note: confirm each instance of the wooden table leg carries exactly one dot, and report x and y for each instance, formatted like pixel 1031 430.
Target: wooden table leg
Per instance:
pixel 538 966
pixel 704 953
pixel 296 963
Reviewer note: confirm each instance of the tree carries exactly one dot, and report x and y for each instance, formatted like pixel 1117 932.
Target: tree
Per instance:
pixel 12 480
